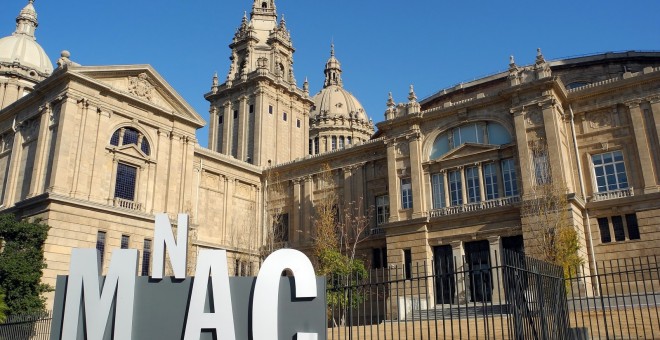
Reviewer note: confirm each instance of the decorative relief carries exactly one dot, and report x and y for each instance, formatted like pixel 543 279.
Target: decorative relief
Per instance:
pixel 534 118
pixel 600 120
pixel 140 86
pixel 242 190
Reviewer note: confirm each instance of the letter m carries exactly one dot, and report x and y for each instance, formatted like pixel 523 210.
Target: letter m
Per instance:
pixel 85 284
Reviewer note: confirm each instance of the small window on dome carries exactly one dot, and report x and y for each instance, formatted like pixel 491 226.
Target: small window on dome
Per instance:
pixel 264 5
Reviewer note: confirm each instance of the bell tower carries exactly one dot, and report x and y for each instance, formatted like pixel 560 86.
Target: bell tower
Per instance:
pixel 259 115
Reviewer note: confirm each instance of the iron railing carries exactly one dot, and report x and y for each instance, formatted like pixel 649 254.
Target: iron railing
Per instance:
pixel 27 327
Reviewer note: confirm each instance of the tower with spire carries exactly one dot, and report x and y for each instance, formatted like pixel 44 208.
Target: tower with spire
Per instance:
pixel 259 115
pixel 24 62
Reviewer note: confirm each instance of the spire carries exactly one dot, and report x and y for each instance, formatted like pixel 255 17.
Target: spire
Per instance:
pixel 332 69
pixel 26 22
pixel 282 23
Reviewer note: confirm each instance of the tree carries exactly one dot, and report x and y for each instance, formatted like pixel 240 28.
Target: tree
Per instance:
pixel 3 308
pixel 22 264
pixel 276 232
pixel 546 215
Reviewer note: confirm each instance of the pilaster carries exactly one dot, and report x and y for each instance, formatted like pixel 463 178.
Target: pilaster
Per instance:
pixel 523 152
pixel 416 176
pixel 393 182
pixel 458 252
pixel 643 150
pixel 227 129
pixel 36 184
pixel 295 211
pixel 495 246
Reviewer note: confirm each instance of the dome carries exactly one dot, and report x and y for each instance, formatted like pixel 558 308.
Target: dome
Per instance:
pixel 21 47
pixel 333 101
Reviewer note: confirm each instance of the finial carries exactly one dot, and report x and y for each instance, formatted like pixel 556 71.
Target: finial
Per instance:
pixel 539 56
pixel 512 62
pixel 282 22
pixel 306 85
pixel 332 48
pixel 411 95
pixel 215 78
pixel 390 101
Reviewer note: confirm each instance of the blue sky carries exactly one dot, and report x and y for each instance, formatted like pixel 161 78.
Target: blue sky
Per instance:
pixel 383 45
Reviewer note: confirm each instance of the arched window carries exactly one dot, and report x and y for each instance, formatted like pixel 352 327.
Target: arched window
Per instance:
pixel 476 133
pixel 128 136
pixel 264 5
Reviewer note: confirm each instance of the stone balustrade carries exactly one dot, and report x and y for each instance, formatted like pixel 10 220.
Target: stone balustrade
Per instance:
pixel 127 204
pixel 613 194
pixel 457 209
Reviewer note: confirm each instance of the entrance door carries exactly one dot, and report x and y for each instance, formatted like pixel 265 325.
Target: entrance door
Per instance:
pixel 444 274
pixel 478 259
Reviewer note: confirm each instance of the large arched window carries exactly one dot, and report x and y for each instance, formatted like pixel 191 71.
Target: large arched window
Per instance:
pixel 476 133
pixel 128 136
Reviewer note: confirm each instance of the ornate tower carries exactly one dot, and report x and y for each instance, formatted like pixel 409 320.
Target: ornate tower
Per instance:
pixel 259 115
pixel 23 63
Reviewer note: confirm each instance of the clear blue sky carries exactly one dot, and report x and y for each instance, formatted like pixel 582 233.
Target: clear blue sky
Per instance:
pixel 383 45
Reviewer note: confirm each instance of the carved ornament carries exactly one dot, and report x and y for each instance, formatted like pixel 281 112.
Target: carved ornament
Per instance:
pixel 600 120
pixel 140 86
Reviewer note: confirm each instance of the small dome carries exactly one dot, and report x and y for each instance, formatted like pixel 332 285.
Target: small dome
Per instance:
pixel 334 101
pixel 21 47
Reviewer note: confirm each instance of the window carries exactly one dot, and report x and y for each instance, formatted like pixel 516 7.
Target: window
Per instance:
pixel 349 140
pixel 125 182
pixel 128 136
pixel 473 185
pixel 316 146
pixel 284 116
pixel 251 108
pixel 609 171
pixel 125 240
pixel 455 188
pixel 341 142
pixel 479 133
pixel 624 228
pixel 407 263
pixel 438 190
pixel 311 147
pixel 270 109
pixel 334 143
pixel 406 193
pixel 297 122
pixel 378 258
pixel 146 256
pixel 235 114
pixel 509 178
pixel 490 181
pixel 100 244
pixel 604 227
pixel 221 120
pixel 382 209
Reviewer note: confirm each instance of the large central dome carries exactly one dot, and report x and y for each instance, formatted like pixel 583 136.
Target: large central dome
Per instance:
pixel 22 48
pixel 337 119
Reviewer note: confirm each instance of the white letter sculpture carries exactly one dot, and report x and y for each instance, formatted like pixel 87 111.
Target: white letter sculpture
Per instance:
pixel 266 291
pixel 84 275
pixel 178 250
pixel 222 320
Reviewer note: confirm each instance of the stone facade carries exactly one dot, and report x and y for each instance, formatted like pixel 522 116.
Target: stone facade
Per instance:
pixel 96 151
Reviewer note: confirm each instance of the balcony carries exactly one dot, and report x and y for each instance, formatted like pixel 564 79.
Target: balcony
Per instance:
pixel 498 202
pixel 613 194
pixel 126 204
pixel 376 231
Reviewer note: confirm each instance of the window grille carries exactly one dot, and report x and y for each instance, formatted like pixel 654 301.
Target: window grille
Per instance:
pixel 146 256
pixel 125 240
pixel 125 182
pixel 100 244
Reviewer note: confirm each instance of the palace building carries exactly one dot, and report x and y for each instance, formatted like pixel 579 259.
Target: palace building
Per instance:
pixel 96 151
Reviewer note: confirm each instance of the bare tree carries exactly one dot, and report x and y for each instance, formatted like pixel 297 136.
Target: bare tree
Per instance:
pixel 326 231
pixel 546 217
pixel 275 229
pixel 354 227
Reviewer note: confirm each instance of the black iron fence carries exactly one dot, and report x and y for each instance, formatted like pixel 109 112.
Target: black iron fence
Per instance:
pixel 491 296
pixel 26 327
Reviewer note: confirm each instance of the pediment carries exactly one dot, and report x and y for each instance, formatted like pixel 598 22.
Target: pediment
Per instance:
pixel 143 83
pixel 469 149
pixel 131 150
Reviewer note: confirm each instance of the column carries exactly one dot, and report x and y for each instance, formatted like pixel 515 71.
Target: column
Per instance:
pixel 459 265
pixel 295 213
pixel 523 153
pixel 463 185
pixel 393 182
pixel 213 129
pixel 242 129
pixel 655 107
pixel 419 207
pixel 643 151
pixel 227 129
pixel 500 179
pixel 445 179
pixel 258 117
pixel 496 269
pixel 482 183
pixel 307 207
pixel 15 164
pixel 36 184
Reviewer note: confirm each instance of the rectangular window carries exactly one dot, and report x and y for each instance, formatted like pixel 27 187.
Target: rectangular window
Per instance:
pixel 284 116
pixel 490 181
pixel 235 114
pixel 509 178
pixel 270 109
pixel 473 185
pixel 333 143
pixel 125 241
pixel 604 227
pixel 341 142
pixel 349 140
pixel 146 257
pixel 382 209
pixel 406 194
pixel 221 119
pixel 311 147
pixel 633 227
pixel 617 225
pixel 297 122
pixel 125 182
pixel 316 146
pixel 407 263
pixel 376 258
pixel 438 190
pixel 100 244
pixel 609 171
pixel 251 108
pixel 455 188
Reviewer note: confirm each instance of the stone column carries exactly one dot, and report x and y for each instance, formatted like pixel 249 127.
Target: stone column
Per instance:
pixel 500 179
pixel 523 153
pixel 242 129
pixel 463 185
pixel 36 184
pixel 258 126
pixel 459 265
pixel 643 150
pixel 496 269
pixel 393 182
pixel 445 179
pixel 553 123
pixel 655 107
pixel 213 129
pixel 416 179
pixel 307 207
pixel 295 212
pixel 227 129
pixel 482 184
